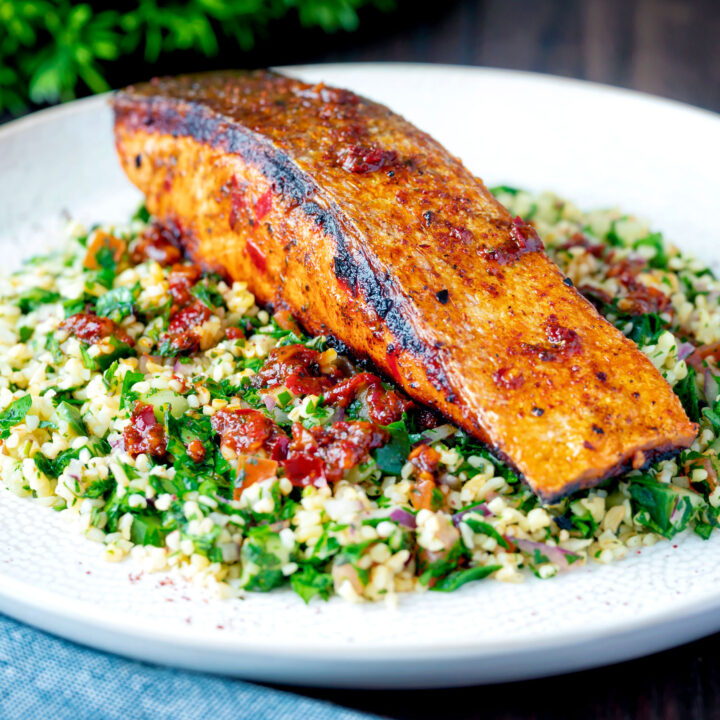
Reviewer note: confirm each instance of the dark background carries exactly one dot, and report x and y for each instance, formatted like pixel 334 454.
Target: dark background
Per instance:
pixel 666 47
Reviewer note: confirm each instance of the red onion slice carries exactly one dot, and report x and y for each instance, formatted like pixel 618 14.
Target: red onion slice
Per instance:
pixel 554 554
pixel 180 368
pixel 685 350
pixel 481 508
pixel 403 517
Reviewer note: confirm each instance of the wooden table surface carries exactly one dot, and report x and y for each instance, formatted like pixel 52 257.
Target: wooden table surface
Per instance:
pixel 666 47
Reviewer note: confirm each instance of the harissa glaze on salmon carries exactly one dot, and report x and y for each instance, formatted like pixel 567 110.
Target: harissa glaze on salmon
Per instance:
pixel 370 232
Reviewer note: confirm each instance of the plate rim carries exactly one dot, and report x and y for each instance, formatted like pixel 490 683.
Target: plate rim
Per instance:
pixel 75 106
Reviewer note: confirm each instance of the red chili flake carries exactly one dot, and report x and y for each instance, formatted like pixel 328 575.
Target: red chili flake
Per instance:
pixel 257 256
pixel 523 240
pixel 563 342
pixel 157 243
pixel 181 280
pixel 244 430
pixel 563 337
pixel 90 328
pixel 383 406
pixel 298 368
pixel 144 434
pixel 363 159
pixel 234 333
pixel 337 96
pixel 508 378
pixel 325 454
pixel 264 204
pixel 183 331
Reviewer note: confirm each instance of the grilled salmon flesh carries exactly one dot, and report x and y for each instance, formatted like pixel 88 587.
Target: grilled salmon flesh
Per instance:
pixel 367 230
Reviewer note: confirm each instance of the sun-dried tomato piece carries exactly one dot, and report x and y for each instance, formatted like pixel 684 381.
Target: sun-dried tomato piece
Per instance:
pixel 426 460
pixel 297 367
pixel 325 454
pixel 157 243
pixel 252 470
pixel 183 333
pixel 644 300
pixel 579 240
pixel 244 431
pixel 196 450
pixel 639 299
pixel 384 406
pixel 144 434
pixel 91 329
pixel 181 280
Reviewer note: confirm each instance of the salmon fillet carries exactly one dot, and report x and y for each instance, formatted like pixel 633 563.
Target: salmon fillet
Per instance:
pixel 370 232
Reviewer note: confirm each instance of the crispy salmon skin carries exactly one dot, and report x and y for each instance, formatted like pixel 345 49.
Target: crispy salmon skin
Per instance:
pixel 366 229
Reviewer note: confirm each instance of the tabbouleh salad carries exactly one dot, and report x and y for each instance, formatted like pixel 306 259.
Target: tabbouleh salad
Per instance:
pixel 175 421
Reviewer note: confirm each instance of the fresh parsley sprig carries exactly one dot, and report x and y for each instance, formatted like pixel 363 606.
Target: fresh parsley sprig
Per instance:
pixel 53 50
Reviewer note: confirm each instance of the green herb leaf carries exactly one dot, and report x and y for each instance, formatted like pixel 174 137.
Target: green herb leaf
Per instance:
pixel 392 456
pixel 13 414
pixel 207 292
pixel 71 415
pixel 116 304
pixel 665 509
pixel 142 214
pixel 127 397
pixel 33 299
pixel 53 468
pixel 686 390
pixel 309 582
pixel 480 526
pixel 105 259
pixel 457 579
pixel 25 333
pixel 147 530
pixel 263 556
pixel 655 240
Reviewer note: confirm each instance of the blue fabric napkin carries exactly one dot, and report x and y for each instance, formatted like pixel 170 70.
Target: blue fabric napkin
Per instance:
pixel 43 677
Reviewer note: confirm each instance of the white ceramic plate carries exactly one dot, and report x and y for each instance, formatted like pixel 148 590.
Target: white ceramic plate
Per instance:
pixel 596 145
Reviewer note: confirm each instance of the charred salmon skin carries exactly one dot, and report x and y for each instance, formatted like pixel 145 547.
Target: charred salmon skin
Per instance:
pixel 367 230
